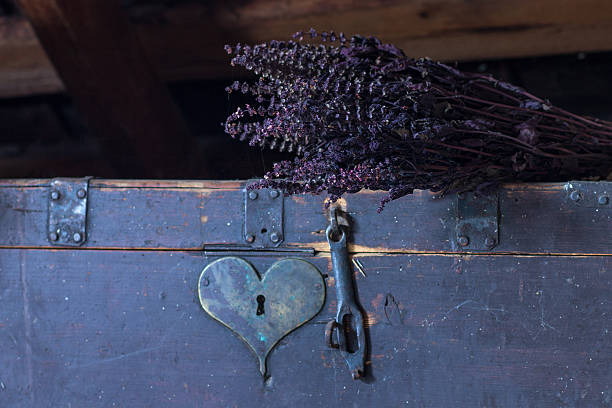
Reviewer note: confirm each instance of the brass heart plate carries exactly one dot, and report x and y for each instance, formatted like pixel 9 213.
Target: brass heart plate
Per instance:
pixel 261 310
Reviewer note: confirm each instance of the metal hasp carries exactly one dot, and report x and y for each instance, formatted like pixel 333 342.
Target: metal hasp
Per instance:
pixel 67 219
pixel 348 325
pixel 261 310
pixel 590 194
pixel 263 218
pixel 477 222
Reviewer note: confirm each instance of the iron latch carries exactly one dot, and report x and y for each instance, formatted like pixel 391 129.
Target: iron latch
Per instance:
pixel 67 220
pixel 590 194
pixel 477 222
pixel 263 218
pixel 348 326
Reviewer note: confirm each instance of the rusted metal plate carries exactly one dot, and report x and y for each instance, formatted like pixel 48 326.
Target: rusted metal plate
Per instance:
pixel 590 194
pixel 477 222
pixel 263 218
pixel 261 309
pixel 67 213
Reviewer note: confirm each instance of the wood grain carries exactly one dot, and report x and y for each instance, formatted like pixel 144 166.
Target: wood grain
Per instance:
pixel 440 29
pixel 186 41
pixel 97 328
pixel 25 68
pixel 185 215
pixel 107 73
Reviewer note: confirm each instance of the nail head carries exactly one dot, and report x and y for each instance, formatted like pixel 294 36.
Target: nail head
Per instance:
pixel 575 195
pixel 463 240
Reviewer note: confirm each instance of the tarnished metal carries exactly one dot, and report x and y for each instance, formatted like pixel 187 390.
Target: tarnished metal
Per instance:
pixel 349 323
pixel 360 267
pixel 334 226
pixel 590 194
pixel 67 219
pixel 263 218
pixel 330 327
pixel 477 222
pixel 463 240
pixel 261 310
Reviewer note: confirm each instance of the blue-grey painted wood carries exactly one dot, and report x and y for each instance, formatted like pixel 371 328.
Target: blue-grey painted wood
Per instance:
pixel 96 328
pixel 534 219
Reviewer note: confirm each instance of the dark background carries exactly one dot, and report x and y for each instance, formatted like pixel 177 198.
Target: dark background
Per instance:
pixel 43 134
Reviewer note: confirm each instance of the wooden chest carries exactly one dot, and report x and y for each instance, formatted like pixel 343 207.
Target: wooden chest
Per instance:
pixel 470 301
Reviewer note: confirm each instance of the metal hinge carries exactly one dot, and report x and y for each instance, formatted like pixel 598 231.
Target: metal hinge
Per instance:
pixel 590 194
pixel 477 222
pixel 263 218
pixel 67 220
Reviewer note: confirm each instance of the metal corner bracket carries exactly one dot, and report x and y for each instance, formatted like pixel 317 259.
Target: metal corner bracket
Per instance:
pixel 477 222
pixel 67 208
pixel 590 194
pixel 263 218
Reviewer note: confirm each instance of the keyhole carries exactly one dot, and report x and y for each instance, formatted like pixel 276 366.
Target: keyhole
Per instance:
pixel 260 304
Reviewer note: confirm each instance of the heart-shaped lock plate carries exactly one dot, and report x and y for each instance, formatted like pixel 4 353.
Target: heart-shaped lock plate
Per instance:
pixel 261 310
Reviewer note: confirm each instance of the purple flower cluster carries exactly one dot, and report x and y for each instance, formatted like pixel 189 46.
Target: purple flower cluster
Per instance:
pixel 359 114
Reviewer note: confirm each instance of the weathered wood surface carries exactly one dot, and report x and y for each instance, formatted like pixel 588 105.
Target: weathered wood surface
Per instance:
pixel 104 67
pixel 535 218
pixel 125 329
pixel 186 40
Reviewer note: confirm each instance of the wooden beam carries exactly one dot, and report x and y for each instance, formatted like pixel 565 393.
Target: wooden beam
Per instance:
pixel 58 161
pixel 24 66
pixel 101 61
pixel 186 41
pixel 186 47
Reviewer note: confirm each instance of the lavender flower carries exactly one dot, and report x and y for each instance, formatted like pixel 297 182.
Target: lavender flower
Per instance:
pixel 359 114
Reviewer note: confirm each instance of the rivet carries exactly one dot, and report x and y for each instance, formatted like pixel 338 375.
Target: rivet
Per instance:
pixel 274 193
pixel 274 237
pixel 250 238
pixel 205 281
pixel 53 236
pixel 463 240
pixel 489 242
pixel 253 195
pixel 77 237
pixel 81 193
pixel 575 195
pixel 55 195
pixel 603 200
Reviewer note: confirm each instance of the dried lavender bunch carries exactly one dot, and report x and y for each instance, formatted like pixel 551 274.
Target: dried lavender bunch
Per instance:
pixel 359 114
